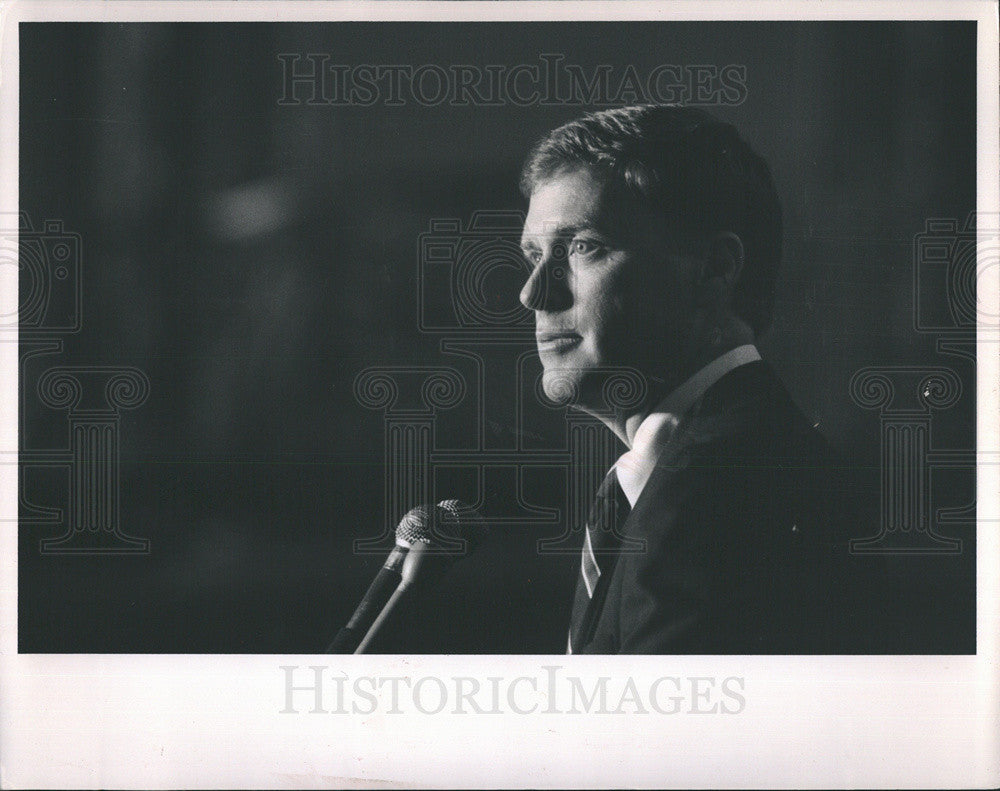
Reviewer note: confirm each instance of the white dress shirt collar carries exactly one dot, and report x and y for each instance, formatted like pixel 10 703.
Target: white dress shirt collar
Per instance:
pixel 636 465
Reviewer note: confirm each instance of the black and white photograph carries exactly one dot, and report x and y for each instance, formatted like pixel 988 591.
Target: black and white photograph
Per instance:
pixel 419 394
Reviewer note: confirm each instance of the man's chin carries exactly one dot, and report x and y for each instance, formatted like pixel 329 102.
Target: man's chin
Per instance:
pixel 562 386
pixel 572 387
pixel 595 390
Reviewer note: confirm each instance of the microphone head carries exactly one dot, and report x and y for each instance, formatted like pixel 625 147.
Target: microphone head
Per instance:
pixel 450 525
pixel 415 526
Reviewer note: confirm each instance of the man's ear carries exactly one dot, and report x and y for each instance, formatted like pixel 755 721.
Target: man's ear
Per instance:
pixel 721 268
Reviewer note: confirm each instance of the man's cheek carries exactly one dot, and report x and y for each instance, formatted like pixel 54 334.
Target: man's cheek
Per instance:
pixel 616 335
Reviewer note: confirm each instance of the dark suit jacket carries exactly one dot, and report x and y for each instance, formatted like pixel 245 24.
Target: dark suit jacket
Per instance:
pixel 746 521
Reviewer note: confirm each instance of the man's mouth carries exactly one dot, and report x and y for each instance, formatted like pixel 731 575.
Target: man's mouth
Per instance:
pixel 557 341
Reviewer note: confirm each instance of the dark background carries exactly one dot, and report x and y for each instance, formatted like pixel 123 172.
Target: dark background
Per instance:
pixel 251 259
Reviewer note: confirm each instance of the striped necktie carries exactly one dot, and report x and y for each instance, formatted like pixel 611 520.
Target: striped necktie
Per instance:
pixel 600 551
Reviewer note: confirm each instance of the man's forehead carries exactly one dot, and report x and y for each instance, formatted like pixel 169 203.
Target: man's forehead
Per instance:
pixel 569 200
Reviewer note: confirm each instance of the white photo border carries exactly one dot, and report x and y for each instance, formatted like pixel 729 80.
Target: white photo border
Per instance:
pixel 166 721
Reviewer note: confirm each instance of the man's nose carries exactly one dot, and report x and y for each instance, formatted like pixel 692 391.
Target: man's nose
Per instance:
pixel 547 287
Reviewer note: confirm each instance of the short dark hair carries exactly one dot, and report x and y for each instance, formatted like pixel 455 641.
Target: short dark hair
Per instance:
pixel 694 170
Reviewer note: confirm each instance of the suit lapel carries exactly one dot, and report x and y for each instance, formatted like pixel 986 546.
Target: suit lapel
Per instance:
pixel 720 411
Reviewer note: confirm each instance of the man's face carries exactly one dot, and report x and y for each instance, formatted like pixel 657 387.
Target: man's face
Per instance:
pixel 607 292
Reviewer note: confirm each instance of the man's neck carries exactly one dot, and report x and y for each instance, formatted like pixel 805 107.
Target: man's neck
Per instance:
pixel 625 424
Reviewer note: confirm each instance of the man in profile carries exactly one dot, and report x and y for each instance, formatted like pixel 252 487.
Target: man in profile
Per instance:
pixel 654 239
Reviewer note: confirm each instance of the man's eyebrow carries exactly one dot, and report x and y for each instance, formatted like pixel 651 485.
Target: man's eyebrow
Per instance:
pixel 561 232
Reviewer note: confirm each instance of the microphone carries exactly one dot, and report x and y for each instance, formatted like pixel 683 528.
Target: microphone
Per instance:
pixel 429 539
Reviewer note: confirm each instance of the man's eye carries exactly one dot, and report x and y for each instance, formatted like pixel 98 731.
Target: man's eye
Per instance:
pixel 533 256
pixel 583 246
